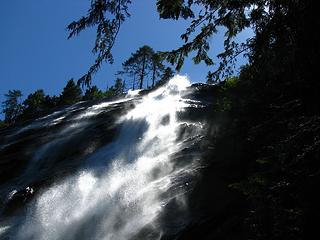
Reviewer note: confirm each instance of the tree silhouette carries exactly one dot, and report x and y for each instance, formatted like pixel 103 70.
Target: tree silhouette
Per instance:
pixel 71 93
pixel 207 17
pixel 130 69
pixel 12 107
pixel 93 93
pixel 34 104
pixel 141 61
pixel 140 64
pixel 156 66
pixel 107 16
pixel 117 89
pixel 119 86
pixel 165 77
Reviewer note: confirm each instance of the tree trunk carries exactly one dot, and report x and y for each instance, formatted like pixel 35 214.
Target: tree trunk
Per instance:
pixel 142 71
pixel 153 75
pixel 134 81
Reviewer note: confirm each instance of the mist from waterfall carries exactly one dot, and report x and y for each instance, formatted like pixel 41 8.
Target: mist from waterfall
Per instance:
pixel 121 189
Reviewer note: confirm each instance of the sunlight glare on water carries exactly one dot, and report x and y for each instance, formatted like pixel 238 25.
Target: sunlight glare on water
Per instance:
pixel 128 196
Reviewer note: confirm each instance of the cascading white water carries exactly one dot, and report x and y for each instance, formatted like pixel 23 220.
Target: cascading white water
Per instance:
pixel 123 187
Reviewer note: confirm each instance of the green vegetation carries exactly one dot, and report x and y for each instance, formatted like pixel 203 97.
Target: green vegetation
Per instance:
pixel 118 87
pixel 12 107
pixel 271 110
pixel 71 93
pixel 34 104
pixel 93 93
pixel 139 65
pixel 38 104
pixel 271 132
pixel 107 29
pixel 167 74
pixel 141 68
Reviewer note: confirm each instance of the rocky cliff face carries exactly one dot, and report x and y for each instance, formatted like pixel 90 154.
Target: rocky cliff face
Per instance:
pixel 138 167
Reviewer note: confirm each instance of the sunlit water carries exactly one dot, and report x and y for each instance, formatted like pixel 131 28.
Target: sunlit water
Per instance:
pixel 123 188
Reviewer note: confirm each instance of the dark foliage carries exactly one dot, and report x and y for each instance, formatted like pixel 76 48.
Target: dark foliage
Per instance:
pixel 117 89
pixel 167 74
pixel 3 124
pixel 275 117
pixel 107 16
pixel 267 145
pixel 93 93
pixel 272 111
pixel 38 104
pixel 12 107
pixel 144 62
pixel 71 93
pixel 34 105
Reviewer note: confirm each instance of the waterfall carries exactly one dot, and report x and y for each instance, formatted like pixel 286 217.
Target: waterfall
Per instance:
pixel 126 188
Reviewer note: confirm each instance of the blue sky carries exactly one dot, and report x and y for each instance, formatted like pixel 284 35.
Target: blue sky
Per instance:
pixel 35 52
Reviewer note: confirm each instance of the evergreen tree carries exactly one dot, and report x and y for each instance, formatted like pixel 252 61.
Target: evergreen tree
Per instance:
pixel 51 102
pixel 165 77
pixel 131 70
pixel 12 107
pixel 93 93
pixel 141 61
pixel 117 89
pixel 156 66
pixel 71 93
pixel 34 104
pixel 264 18
pixel 107 16
pixel 119 86
pixel 273 110
pixel 140 64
